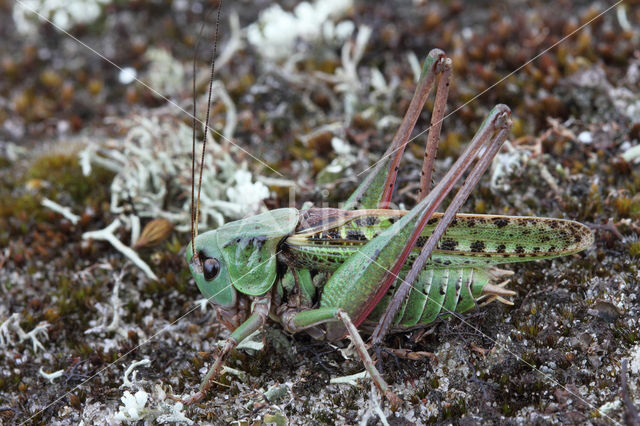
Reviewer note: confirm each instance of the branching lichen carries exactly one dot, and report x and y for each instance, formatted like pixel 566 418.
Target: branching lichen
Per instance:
pixel 12 324
pixel 51 376
pixel 64 211
pixel 134 406
pixel 308 23
pixel 153 172
pixel 63 13
pixel 107 234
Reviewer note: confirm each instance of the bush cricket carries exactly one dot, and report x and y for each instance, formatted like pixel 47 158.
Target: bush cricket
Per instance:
pixel 328 271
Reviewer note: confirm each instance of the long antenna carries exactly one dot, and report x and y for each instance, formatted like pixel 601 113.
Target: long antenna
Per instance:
pixel 195 205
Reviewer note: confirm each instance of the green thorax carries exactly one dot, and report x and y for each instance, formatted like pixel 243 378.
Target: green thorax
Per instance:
pixel 249 248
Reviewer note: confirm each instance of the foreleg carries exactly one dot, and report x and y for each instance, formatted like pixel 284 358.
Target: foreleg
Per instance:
pixel 253 323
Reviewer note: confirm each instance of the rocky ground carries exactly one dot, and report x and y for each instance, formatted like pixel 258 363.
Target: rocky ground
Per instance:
pixel 88 335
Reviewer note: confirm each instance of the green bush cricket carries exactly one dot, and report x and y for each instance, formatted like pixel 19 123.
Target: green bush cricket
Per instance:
pixel 327 271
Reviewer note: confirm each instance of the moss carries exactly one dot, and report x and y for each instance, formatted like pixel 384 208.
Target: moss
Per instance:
pixel 454 410
pixel 506 409
pixel 63 171
pixel 326 417
pixel 623 206
pixel 5 163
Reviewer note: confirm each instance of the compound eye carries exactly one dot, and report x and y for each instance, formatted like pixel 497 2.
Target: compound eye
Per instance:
pixel 211 267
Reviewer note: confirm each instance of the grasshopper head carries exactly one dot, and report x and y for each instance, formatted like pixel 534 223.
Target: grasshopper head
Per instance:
pixel 210 272
pixel 240 256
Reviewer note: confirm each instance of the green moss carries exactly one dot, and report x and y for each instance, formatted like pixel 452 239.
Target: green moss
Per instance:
pixel 504 379
pixel 325 417
pixel 4 162
pixel 631 337
pixel 63 171
pixel 456 410
pixel 506 409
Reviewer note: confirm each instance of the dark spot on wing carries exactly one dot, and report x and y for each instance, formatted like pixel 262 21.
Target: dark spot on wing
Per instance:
pixel 367 221
pixel 333 234
pixel 477 246
pixel 356 235
pixel 448 244
pixel 500 222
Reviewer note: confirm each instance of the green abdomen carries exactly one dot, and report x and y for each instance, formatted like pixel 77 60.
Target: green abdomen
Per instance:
pixel 437 291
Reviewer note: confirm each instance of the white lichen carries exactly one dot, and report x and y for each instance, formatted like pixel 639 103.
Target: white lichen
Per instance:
pixel 64 211
pixel 632 154
pixel 346 76
pixel 133 408
pixel 308 23
pixel 51 376
pixel 341 166
pixel 347 81
pixel 245 194
pixel 64 14
pixel 110 317
pixel 609 407
pixel 153 172
pixel 634 360
pixel 351 379
pixel 107 234
pixel 133 383
pixel 12 325
pixel 505 164
pixel 202 303
pixel 174 414
pixel 145 405
pixel 164 73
